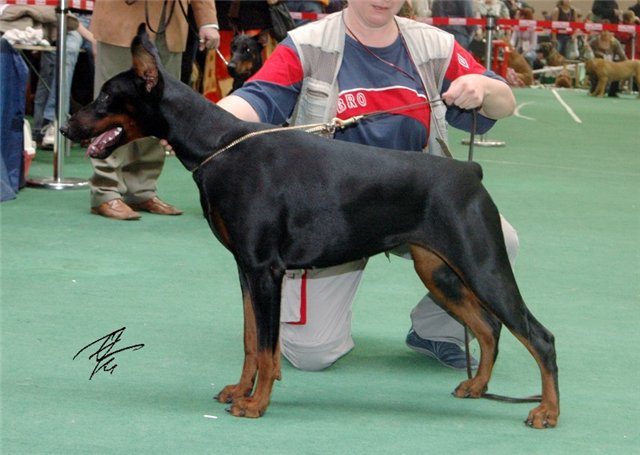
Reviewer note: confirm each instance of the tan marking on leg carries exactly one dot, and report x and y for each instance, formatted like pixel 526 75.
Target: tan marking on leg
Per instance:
pixel 244 387
pixel 256 405
pixel 547 413
pixel 277 361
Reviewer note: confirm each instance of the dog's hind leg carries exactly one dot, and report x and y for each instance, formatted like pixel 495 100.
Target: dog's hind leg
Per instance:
pixel 490 282
pixel 453 295
pixel 497 294
pixel 540 343
pixel 264 286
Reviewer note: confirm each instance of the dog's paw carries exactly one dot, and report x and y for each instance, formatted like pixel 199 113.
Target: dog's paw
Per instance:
pixel 233 392
pixel 471 388
pixel 542 417
pixel 246 407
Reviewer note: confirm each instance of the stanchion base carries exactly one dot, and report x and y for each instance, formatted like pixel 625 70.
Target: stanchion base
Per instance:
pixel 50 183
pixel 485 143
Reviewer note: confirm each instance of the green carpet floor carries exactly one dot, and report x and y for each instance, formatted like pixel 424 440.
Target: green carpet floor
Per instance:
pixel 570 185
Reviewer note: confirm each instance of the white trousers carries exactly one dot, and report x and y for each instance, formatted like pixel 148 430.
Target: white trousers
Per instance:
pixel 315 328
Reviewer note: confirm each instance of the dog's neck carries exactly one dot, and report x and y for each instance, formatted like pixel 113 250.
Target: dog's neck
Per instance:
pixel 197 128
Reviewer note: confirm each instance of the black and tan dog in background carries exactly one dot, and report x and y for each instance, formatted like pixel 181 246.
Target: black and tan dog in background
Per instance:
pixel 288 199
pixel 246 58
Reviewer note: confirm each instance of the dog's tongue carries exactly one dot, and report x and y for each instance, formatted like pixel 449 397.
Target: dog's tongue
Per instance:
pixel 100 143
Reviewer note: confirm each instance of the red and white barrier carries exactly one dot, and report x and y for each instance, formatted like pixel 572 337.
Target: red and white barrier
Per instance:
pixel 529 24
pixel 506 23
pixel 80 4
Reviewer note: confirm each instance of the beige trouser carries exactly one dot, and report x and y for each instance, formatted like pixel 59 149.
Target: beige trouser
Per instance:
pixel 131 172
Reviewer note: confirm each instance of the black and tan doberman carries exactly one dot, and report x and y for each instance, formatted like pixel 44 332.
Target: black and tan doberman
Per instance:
pixel 246 58
pixel 289 200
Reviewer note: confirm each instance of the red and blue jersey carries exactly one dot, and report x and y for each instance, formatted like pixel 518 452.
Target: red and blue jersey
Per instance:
pixel 367 84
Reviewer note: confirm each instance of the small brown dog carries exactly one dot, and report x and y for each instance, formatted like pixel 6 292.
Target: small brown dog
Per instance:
pixel 563 80
pixel 521 67
pixel 550 54
pixel 607 71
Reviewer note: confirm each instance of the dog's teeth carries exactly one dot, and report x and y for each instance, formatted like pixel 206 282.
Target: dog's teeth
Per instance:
pixel 115 133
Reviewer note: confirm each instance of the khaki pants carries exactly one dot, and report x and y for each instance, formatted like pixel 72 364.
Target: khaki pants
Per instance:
pixel 131 172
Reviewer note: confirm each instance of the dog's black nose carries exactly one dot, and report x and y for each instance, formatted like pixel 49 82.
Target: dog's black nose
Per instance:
pixel 64 130
pixel 231 69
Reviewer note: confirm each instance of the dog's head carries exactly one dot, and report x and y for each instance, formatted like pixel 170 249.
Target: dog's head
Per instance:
pixel 563 80
pixel 591 65
pixel 246 56
pixel 125 109
pixel 545 49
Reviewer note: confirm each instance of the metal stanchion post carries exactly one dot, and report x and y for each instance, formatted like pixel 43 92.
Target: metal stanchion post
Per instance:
pixel 61 145
pixel 633 54
pixel 482 141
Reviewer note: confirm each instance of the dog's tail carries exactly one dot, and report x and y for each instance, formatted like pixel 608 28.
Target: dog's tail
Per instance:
pixel 477 169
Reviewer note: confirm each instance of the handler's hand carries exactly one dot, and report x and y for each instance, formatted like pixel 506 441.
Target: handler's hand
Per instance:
pixel 466 92
pixel 493 96
pixel 209 38
pixel 166 146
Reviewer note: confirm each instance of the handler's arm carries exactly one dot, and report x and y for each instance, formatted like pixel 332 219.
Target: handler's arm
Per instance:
pixel 239 107
pixel 494 97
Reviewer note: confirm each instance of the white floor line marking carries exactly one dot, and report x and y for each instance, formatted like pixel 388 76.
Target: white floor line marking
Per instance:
pixel 566 106
pixel 519 115
pixel 566 168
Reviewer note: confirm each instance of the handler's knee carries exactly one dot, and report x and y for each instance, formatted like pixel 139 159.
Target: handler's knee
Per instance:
pixel 511 240
pixel 316 358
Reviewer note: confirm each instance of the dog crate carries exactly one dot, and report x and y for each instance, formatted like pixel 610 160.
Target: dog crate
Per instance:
pixel 500 57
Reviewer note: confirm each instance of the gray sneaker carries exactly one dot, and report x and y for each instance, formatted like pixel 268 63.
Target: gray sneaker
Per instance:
pixel 48 136
pixel 448 354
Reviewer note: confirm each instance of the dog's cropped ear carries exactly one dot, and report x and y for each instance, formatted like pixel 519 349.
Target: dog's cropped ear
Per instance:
pixel 146 62
pixel 263 38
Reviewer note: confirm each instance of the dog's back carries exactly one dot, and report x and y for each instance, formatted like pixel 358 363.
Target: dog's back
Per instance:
pixel 332 189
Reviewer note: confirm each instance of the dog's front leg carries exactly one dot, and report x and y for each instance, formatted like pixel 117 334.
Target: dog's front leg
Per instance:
pixel 265 290
pixel 245 386
pixel 602 85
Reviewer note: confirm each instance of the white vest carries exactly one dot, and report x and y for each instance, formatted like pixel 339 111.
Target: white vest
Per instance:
pixel 320 47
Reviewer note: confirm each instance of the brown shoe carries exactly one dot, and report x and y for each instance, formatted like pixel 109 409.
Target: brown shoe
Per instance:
pixel 116 209
pixel 155 205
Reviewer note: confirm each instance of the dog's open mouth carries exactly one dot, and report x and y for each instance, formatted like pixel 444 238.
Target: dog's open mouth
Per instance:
pixel 101 146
